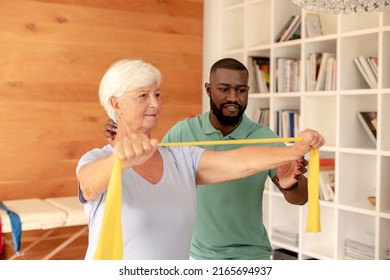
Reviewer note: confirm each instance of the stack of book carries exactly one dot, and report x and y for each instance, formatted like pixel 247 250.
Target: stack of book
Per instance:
pixel 359 247
pixel 321 71
pixel 368 67
pixel 259 67
pixel 286 233
pixel 287 74
pixel 288 123
pixel 261 116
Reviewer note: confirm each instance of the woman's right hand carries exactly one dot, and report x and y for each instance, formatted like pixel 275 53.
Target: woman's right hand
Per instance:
pixel 135 149
pixel 310 139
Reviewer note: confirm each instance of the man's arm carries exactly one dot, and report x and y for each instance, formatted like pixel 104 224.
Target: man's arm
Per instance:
pixel 295 193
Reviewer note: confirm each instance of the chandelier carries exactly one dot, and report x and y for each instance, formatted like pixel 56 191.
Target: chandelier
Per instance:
pixel 343 6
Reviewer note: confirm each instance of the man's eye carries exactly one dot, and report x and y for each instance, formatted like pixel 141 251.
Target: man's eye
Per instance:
pixel 223 89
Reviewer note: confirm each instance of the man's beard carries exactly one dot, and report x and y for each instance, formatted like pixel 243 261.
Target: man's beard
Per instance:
pixel 226 120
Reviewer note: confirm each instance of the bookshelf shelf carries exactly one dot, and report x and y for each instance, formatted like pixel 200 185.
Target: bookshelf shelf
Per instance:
pixel 245 28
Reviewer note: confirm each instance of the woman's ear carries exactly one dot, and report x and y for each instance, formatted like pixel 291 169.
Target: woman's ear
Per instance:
pixel 114 102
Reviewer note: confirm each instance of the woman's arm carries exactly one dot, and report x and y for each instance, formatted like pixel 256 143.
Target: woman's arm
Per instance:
pixel 132 150
pixel 219 166
pixel 94 176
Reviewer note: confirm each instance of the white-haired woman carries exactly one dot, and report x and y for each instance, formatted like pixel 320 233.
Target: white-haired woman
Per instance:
pixel 159 183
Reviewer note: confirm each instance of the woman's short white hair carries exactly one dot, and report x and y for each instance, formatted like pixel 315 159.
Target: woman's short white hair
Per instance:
pixel 125 75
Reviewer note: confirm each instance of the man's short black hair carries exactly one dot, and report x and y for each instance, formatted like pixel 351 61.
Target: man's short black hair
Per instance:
pixel 228 63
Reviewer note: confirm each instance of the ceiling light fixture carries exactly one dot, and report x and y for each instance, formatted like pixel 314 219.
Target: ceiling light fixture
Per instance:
pixel 343 6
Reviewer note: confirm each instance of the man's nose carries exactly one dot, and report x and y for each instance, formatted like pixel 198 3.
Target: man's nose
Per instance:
pixel 232 94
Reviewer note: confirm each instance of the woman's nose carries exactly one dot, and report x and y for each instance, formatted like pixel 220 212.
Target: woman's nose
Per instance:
pixel 154 102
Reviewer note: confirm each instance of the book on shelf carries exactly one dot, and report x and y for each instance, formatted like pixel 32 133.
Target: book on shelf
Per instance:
pixel 288 123
pixel 373 61
pixel 330 80
pixel 295 32
pixel 287 74
pixel 327 185
pixel 288 28
pixel 369 122
pixel 366 70
pixel 327 164
pixel 313 25
pixel 260 67
pixel 261 116
pixel 294 26
pixel 284 28
pixel 313 63
pixel 322 72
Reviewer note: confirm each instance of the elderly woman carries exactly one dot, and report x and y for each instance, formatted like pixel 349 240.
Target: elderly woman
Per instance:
pixel 158 183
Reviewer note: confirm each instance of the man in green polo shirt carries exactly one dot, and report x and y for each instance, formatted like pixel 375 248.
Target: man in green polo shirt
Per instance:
pixel 229 221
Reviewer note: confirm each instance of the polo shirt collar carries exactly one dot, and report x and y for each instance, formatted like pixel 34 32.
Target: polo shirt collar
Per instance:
pixel 241 132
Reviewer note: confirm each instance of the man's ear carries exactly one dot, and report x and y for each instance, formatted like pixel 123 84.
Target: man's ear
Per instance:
pixel 208 88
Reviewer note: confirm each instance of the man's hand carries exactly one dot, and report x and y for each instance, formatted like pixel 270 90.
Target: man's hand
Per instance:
pixel 110 131
pixel 290 173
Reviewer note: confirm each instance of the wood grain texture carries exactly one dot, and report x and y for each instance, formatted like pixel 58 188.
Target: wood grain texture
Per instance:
pixel 52 60
pixel 53 237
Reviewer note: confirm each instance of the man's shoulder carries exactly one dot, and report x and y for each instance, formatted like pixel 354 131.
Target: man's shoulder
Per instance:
pixel 198 119
pixel 256 130
pixel 186 128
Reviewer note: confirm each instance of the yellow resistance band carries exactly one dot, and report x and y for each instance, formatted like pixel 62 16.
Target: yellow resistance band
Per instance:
pixel 110 243
pixel 313 218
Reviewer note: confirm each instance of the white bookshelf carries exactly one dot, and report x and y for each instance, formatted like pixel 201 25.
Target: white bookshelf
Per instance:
pixel 243 28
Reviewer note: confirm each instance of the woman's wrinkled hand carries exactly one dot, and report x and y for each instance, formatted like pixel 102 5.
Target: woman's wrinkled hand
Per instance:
pixel 135 149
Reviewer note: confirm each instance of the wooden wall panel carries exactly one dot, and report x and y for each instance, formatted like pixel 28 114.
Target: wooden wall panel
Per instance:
pixel 52 60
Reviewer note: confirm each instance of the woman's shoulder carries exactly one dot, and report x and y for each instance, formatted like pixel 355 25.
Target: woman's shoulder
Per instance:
pixel 100 152
pixel 94 154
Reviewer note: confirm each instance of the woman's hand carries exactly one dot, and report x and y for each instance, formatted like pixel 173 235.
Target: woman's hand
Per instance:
pixel 311 139
pixel 135 149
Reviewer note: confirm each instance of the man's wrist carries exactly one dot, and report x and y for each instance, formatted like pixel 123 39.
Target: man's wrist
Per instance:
pixel 291 188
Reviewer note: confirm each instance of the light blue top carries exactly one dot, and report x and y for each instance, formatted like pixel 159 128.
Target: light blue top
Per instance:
pixel 157 219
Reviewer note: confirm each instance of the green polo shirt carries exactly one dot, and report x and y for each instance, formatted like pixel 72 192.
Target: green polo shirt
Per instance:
pixel 229 221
